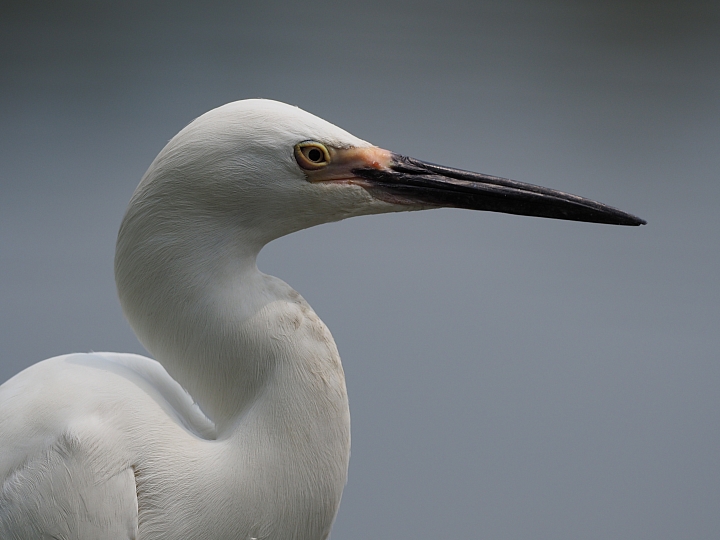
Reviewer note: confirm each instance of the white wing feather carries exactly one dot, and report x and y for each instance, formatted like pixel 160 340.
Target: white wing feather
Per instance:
pixel 58 495
pixel 66 471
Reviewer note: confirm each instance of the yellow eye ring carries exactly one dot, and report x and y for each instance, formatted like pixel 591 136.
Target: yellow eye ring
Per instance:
pixel 311 155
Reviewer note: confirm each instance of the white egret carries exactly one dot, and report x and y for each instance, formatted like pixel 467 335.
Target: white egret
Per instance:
pixel 240 427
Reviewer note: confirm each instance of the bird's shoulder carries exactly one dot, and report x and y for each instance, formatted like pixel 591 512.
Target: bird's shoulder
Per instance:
pixel 109 397
pixel 74 431
pixel 69 490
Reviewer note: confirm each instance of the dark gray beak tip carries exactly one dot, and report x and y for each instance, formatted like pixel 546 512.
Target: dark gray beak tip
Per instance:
pixel 635 221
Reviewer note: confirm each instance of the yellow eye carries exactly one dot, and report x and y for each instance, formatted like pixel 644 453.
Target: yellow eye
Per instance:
pixel 311 155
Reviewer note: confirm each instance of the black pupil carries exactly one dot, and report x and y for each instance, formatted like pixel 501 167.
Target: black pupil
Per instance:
pixel 315 155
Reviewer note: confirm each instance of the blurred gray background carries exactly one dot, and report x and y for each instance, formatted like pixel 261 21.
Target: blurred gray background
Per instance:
pixel 509 377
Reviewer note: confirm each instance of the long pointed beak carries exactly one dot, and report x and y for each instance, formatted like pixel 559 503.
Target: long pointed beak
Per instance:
pixel 406 180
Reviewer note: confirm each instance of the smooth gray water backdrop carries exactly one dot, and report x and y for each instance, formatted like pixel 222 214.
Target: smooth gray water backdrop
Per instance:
pixel 509 377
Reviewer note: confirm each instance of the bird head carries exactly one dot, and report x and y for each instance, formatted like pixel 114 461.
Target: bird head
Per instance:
pixel 272 169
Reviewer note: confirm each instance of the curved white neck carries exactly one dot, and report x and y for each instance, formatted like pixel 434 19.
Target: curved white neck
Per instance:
pixel 225 331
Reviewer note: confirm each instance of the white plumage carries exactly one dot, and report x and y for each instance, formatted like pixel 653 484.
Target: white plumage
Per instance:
pixel 241 428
